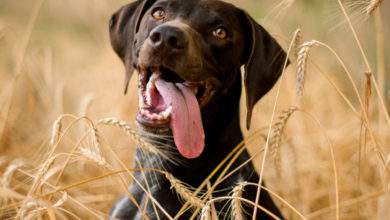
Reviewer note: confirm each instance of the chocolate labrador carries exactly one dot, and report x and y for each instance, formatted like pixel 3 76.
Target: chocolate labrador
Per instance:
pixel 188 54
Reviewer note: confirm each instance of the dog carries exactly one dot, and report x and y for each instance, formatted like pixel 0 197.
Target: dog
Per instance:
pixel 188 55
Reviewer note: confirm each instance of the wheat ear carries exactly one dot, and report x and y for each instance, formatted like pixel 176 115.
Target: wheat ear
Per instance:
pixel 237 212
pixel 183 191
pixel 9 172
pixel 298 39
pixel 95 156
pixel 372 6
pixel 206 212
pixel 303 54
pixel 277 132
pixel 56 130
pixel 133 134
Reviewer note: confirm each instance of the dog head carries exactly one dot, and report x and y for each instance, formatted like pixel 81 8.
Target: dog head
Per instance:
pixel 187 52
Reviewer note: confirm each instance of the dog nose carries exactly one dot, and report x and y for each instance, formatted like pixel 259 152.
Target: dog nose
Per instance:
pixel 168 36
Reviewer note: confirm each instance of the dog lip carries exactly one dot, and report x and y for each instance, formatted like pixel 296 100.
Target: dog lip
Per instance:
pixel 152 123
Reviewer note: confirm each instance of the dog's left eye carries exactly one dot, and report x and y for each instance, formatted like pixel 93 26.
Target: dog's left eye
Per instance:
pixel 158 14
pixel 220 33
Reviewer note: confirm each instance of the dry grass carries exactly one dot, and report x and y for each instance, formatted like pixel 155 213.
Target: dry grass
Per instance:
pixel 237 212
pixel 277 132
pixel 374 5
pixel 332 151
pixel 183 191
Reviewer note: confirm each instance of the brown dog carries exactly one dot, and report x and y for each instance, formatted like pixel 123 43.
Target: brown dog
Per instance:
pixel 188 54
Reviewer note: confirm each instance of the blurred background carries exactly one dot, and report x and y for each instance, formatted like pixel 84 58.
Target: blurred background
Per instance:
pixel 55 58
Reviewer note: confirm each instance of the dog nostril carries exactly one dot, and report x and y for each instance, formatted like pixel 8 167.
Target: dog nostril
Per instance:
pixel 173 42
pixel 155 37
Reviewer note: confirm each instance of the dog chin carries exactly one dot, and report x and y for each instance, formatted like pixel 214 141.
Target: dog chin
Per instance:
pixel 153 129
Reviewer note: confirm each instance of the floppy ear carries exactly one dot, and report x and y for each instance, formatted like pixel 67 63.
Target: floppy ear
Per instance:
pixel 124 25
pixel 263 66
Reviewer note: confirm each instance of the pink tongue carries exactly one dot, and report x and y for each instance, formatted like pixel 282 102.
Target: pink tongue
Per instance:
pixel 186 122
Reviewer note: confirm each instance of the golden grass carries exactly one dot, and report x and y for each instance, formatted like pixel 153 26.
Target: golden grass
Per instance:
pixel 183 191
pixel 374 4
pixel 277 132
pixel 237 212
pixel 332 150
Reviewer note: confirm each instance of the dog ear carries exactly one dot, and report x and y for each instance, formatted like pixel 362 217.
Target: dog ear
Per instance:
pixel 263 66
pixel 123 27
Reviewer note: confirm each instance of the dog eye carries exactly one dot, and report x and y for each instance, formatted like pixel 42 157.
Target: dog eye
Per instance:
pixel 220 33
pixel 158 14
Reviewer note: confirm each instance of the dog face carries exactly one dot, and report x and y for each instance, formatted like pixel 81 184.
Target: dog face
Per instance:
pixel 188 52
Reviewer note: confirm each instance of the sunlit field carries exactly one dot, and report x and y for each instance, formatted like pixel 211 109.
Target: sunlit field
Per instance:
pixel 320 139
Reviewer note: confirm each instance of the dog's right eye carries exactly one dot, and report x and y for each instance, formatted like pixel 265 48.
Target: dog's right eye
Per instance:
pixel 158 13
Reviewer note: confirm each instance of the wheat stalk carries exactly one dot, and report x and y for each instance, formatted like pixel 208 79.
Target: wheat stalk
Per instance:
pixel 62 200
pixel 372 6
pixel 57 128
pixel 277 133
pixel 134 135
pixel 183 191
pixel 39 176
pixel 303 54
pixel 31 207
pixel 237 212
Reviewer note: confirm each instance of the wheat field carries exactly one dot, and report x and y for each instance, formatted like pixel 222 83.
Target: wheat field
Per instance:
pixel 320 138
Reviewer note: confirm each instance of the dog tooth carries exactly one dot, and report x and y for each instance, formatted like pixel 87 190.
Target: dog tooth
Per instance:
pixel 149 86
pixel 154 116
pixel 148 92
pixel 165 116
pixel 167 112
pixel 169 109
pixel 160 117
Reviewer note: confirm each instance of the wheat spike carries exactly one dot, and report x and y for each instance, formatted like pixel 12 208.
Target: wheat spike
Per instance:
pixel 31 205
pixel 297 41
pixel 133 134
pixel 42 171
pixel 183 191
pixel 277 132
pixel 56 130
pixel 206 212
pixel 237 212
pixel 372 6
pixel 303 54
pixel 94 156
pixel 9 172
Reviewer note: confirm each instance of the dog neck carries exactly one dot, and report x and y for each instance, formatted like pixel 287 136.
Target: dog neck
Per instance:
pixel 221 121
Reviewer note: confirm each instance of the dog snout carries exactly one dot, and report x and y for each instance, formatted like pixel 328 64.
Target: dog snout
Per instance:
pixel 169 37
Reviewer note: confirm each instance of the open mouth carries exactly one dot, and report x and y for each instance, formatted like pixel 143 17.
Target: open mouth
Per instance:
pixel 168 101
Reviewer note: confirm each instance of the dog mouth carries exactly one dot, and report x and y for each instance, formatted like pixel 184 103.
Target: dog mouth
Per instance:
pixel 167 101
